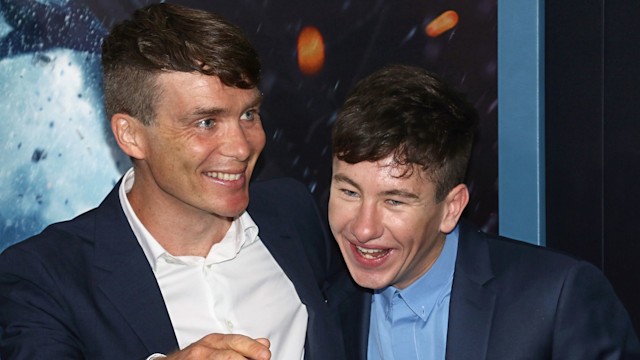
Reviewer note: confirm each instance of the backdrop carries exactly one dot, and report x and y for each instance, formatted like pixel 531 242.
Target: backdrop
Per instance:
pixel 58 158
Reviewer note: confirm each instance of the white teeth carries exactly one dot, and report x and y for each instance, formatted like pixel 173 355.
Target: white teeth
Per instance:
pixel 223 176
pixel 371 253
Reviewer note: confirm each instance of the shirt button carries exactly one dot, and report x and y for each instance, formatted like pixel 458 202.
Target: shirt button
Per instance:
pixel 229 325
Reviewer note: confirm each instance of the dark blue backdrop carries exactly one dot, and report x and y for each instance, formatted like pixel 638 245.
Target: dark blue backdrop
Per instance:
pixel 57 155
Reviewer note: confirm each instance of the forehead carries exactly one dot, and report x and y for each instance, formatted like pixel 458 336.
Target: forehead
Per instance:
pixel 383 175
pixel 196 87
pixel 193 80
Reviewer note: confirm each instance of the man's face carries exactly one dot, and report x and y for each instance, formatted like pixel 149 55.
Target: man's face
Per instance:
pixel 389 227
pixel 200 153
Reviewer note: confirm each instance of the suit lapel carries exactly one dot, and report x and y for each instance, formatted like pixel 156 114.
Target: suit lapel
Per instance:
pixel 355 316
pixel 472 304
pixel 126 279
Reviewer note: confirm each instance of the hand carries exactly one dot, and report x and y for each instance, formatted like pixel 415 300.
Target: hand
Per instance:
pixel 227 347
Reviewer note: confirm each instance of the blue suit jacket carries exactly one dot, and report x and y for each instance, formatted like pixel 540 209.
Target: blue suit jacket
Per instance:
pixel 84 289
pixel 511 300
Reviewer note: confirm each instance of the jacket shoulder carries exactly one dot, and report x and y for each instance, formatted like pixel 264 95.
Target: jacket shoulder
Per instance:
pixel 507 254
pixel 56 238
pixel 570 308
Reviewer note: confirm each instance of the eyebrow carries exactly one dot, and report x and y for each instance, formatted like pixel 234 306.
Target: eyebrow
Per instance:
pixel 257 101
pixel 401 193
pixel 394 192
pixel 346 179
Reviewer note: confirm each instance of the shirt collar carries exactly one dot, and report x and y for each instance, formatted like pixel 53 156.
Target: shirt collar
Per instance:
pixel 242 233
pixel 432 287
pixel 225 250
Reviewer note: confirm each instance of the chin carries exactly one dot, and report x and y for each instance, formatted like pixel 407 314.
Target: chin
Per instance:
pixel 236 208
pixel 227 212
pixel 367 281
pixel 235 214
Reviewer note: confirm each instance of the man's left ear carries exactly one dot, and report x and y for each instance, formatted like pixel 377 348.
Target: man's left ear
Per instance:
pixel 454 205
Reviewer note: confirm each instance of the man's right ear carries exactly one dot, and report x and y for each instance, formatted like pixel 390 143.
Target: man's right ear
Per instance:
pixel 127 132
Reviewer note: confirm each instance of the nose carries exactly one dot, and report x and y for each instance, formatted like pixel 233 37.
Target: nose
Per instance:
pixel 236 143
pixel 367 223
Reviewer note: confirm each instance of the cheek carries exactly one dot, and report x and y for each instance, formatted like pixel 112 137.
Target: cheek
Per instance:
pixel 256 138
pixel 180 146
pixel 403 229
pixel 399 223
pixel 336 215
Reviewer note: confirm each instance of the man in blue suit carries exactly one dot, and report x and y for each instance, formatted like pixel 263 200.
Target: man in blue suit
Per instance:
pixel 441 289
pixel 172 264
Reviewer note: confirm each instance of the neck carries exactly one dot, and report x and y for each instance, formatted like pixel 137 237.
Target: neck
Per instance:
pixel 179 229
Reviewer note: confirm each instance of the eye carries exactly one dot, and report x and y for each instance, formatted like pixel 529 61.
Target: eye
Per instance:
pixel 206 123
pixel 349 193
pixel 393 202
pixel 250 115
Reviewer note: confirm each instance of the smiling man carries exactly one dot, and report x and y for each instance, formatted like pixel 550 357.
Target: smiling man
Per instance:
pixel 433 286
pixel 175 263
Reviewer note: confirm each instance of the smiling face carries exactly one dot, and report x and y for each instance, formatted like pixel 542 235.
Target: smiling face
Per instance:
pixel 199 153
pixel 389 227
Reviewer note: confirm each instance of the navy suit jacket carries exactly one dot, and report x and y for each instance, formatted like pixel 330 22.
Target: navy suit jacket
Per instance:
pixel 511 300
pixel 84 289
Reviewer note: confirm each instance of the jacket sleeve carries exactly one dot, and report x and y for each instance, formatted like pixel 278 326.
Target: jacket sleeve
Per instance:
pixel 591 322
pixel 31 320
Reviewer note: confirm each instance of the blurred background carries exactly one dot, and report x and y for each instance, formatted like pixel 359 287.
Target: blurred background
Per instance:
pixel 57 153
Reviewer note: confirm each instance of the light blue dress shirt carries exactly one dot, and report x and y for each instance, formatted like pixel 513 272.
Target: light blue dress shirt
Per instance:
pixel 412 323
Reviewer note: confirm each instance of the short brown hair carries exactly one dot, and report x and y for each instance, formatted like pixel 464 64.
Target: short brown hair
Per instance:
pixel 168 37
pixel 412 114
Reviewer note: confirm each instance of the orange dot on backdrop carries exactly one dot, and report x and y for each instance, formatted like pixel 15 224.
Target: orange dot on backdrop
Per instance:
pixel 310 50
pixel 443 23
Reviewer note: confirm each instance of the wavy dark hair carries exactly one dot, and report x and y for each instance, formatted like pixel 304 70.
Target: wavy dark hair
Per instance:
pixel 410 113
pixel 169 37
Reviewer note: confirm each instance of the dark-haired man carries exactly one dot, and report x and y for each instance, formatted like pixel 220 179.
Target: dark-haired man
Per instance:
pixel 439 287
pixel 171 264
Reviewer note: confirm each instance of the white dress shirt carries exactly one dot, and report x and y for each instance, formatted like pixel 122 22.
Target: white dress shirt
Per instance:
pixel 238 288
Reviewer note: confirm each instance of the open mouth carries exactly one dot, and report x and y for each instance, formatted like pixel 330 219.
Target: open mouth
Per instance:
pixel 372 253
pixel 223 176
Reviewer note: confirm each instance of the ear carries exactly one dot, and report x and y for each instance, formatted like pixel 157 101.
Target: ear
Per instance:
pixel 127 132
pixel 454 205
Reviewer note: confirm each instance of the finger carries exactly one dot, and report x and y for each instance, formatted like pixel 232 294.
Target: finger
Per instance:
pixel 252 349
pixel 264 341
pixel 241 344
pixel 224 354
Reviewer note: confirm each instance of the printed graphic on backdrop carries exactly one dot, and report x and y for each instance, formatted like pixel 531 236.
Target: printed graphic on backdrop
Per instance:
pixel 59 159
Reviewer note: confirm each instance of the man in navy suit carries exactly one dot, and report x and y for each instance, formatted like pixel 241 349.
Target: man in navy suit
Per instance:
pixel 439 288
pixel 172 264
